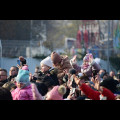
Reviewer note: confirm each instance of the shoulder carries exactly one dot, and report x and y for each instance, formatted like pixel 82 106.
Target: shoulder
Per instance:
pixel 54 71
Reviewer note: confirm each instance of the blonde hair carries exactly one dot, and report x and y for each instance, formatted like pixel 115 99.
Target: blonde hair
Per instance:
pixel 62 90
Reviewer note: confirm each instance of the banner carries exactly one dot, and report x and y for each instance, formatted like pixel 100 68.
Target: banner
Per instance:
pixel 116 35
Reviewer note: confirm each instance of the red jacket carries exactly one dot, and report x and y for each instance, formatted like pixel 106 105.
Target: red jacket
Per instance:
pixel 95 95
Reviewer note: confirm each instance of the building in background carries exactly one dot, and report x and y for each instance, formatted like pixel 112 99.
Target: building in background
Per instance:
pixel 22 37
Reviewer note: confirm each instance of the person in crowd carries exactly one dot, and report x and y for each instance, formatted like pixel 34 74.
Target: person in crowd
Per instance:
pixel 24 89
pixel 102 93
pixel 10 86
pixel 48 69
pixel 35 74
pixel 88 65
pixel 56 93
pixel 13 72
pixel 3 77
pixel 112 74
pixel 102 71
pixel 62 63
pixel 21 62
pixel 59 78
pixel 110 84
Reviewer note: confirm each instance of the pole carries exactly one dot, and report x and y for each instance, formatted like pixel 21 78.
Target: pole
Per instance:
pixel 108 46
pixel 31 23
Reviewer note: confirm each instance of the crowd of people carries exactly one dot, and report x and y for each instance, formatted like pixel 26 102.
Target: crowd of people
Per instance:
pixel 59 78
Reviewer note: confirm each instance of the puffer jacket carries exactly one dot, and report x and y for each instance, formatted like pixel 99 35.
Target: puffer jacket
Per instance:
pixel 23 94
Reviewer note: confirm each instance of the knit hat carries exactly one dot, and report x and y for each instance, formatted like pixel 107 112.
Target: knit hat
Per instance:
pixel 25 68
pixel 110 84
pixel 87 56
pixel 23 77
pixel 56 58
pixel 57 93
pixel 47 61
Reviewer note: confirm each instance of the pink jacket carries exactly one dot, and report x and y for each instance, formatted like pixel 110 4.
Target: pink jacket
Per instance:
pixel 23 94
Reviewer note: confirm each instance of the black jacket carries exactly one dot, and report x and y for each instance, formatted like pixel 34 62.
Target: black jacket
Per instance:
pixel 3 82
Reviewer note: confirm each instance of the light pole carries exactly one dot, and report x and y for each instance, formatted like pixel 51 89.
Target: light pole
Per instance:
pixel 108 46
pixel 31 24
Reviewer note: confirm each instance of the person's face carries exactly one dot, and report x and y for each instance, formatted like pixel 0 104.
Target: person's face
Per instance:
pixel 36 70
pixel 112 73
pixel 13 71
pixel 85 63
pixel 101 71
pixel 3 76
pixel 44 68
pixel 20 85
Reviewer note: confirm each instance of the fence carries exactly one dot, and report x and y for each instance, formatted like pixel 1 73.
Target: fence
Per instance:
pixel 0 53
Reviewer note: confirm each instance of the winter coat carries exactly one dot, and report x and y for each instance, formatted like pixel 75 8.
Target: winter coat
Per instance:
pixel 23 94
pixel 65 65
pixel 11 77
pixel 3 82
pixel 52 73
pixel 95 95
pixel 88 71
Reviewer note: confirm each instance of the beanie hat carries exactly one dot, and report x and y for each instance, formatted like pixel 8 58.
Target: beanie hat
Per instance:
pixel 86 58
pixel 23 77
pixel 47 61
pixel 25 68
pixel 110 84
pixel 56 58
pixel 57 93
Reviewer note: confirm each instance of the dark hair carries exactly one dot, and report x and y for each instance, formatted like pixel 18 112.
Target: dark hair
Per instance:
pixel 16 68
pixel 72 71
pixel 110 84
pixel 4 70
pixel 104 70
pixel 5 94
pixel 23 62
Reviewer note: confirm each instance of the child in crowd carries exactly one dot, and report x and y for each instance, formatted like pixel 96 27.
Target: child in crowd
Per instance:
pixel 56 93
pixel 88 65
pixel 48 69
pixel 24 89
pixel 62 63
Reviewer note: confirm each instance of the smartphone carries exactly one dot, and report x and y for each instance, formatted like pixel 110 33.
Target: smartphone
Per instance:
pixel 18 62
